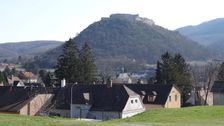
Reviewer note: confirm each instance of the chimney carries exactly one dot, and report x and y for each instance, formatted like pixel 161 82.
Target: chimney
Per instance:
pixel 63 83
pixel 109 83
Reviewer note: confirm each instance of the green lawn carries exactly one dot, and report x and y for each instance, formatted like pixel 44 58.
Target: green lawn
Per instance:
pixel 193 116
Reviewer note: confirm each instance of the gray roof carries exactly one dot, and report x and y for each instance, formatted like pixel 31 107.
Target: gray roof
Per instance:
pixel 12 99
pixel 111 99
pixel 160 91
pixel 102 98
pixel 218 87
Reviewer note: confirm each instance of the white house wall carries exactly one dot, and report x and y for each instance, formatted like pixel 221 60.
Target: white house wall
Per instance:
pixel 133 106
pixel 131 113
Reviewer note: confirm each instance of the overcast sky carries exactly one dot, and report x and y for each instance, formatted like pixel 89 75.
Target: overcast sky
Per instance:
pixel 25 20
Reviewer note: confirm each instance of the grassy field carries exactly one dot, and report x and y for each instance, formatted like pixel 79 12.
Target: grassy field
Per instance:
pixel 193 116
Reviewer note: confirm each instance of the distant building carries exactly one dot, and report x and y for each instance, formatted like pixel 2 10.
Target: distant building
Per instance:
pixel 18 84
pixel 4 65
pixel 198 96
pixel 123 78
pixel 12 80
pixel 28 77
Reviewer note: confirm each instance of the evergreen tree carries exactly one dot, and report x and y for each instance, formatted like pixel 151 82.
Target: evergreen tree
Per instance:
pixel 47 78
pixel 19 60
pixel 87 68
pixel 14 72
pixel 158 73
pixel 3 78
pixel 68 63
pixel 174 70
pixel 182 76
pixel 220 75
pixel 7 71
pixel 43 74
pixel 167 65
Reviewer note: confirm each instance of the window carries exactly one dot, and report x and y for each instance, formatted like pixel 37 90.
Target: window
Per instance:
pixel 136 101
pixel 176 97
pixel 132 101
pixel 151 98
pixel 169 98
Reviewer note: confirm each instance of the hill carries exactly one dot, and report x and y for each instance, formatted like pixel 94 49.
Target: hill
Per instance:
pixel 206 33
pixel 127 40
pixel 193 116
pixel 32 48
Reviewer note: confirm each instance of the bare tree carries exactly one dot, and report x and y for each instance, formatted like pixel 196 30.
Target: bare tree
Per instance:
pixel 211 73
pixel 195 75
pixel 203 77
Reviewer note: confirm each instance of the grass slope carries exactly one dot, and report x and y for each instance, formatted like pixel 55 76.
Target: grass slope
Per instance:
pixel 194 116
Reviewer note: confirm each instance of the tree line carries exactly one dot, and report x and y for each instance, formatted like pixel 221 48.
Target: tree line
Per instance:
pixel 173 69
pixel 7 72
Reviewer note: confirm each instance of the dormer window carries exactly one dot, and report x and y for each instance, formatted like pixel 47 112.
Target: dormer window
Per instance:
pixel 151 98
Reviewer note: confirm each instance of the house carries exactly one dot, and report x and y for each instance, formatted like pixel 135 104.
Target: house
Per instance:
pixel 109 103
pixel 23 101
pixel 103 102
pixel 18 84
pixel 34 84
pixel 217 91
pixel 4 65
pixel 198 96
pixel 13 79
pixel 123 78
pixel 98 102
pixel 158 95
pixel 114 101
pixel 28 77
